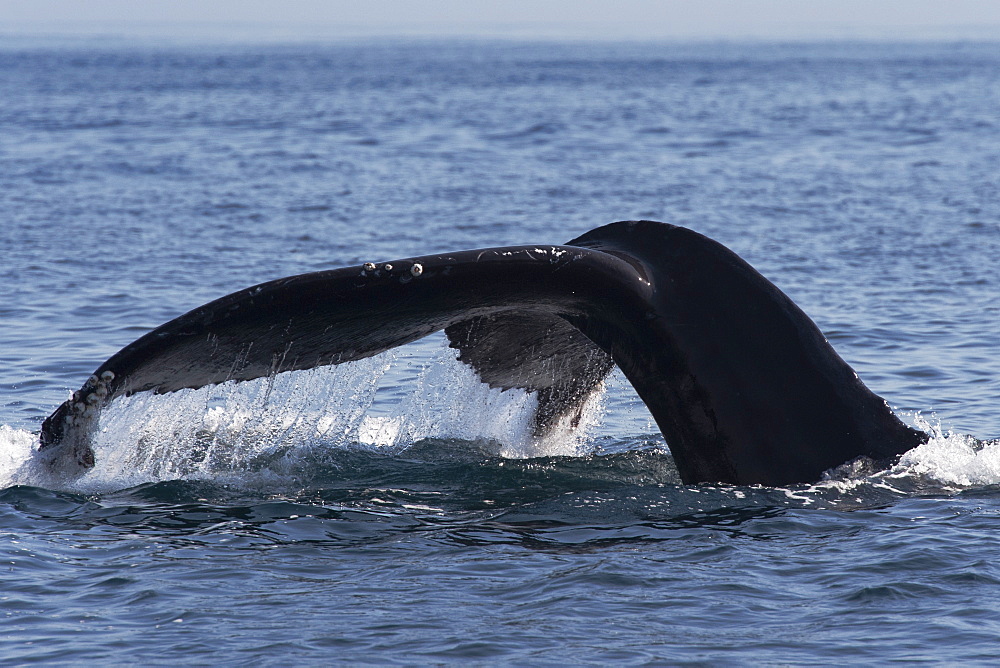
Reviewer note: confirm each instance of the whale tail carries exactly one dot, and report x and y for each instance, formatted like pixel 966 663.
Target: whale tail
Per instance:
pixel 741 382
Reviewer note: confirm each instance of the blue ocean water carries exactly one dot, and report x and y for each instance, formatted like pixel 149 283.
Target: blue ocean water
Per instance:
pixel 394 510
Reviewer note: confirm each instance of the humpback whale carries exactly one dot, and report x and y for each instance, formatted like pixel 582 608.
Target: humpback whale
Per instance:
pixel 743 385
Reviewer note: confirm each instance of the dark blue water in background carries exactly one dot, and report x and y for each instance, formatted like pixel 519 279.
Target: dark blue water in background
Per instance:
pixel 139 182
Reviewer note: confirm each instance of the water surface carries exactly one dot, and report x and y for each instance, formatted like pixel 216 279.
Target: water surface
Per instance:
pixel 394 510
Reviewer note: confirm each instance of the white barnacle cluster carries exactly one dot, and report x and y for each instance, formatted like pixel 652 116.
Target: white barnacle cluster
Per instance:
pixel 68 447
pixel 556 255
pixel 85 406
pixel 416 269
pixel 88 399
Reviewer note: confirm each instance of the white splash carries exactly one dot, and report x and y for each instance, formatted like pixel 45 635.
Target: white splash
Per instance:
pixel 259 428
pixel 17 446
pixel 449 401
pixel 952 459
pixel 948 462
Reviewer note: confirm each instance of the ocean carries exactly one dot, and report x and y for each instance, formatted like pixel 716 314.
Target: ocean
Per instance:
pixel 397 511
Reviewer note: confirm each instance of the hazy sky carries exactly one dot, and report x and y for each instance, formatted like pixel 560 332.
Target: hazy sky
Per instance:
pixel 309 19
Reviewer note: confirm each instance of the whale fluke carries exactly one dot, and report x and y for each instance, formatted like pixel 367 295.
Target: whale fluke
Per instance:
pixel 743 385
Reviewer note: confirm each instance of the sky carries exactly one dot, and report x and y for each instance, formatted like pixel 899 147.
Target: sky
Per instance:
pixel 582 19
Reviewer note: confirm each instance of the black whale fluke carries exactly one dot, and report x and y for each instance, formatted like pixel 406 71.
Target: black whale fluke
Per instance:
pixel 743 385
